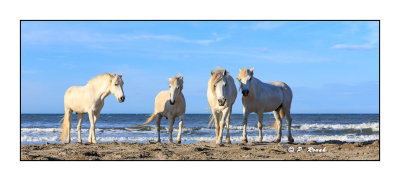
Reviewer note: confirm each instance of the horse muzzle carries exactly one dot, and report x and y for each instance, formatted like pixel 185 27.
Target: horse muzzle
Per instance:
pixel 121 99
pixel 245 92
pixel 221 102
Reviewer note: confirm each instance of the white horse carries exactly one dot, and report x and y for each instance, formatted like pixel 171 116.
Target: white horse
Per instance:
pixel 89 99
pixel 259 97
pixel 221 95
pixel 170 104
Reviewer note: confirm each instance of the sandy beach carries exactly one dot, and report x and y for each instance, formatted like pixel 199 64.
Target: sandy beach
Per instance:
pixel 330 150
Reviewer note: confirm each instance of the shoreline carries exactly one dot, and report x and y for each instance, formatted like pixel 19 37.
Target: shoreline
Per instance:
pixel 328 150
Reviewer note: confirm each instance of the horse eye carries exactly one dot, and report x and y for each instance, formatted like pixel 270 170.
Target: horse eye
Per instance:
pixel 116 84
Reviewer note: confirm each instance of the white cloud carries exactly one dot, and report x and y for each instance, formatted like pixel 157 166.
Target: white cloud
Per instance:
pixel 216 38
pixel 353 46
pixel 371 37
pixel 267 25
pixel 29 71
pixel 72 36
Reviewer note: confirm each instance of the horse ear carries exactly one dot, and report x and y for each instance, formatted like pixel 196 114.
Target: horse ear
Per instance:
pixel 251 71
pixel 121 75
pixel 212 73
pixel 225 72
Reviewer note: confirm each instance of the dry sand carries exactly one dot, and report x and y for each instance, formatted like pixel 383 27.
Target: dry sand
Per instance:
pixel 334 150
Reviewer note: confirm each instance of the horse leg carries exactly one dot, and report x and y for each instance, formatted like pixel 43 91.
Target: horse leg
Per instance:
pixel 278 126
pixel 92 138
pixel 228 120
pixel 96 116
pixel 260 119
pixel 245 116
pixel 178 139
pixel 158 120
pixel 171 120
pixel 222 125
pixel 289 122
pixel 216 121
pixel 78 128
pixel 69 114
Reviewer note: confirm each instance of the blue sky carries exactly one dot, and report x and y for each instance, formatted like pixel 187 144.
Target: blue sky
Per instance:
pixel 331 66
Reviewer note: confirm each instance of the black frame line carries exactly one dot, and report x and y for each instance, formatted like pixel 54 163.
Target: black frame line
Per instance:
pixel 379 84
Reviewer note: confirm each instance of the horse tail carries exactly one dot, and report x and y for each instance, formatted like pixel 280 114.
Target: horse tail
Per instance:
pixel 148 120
pixel 65 126
pixel 281 115
pixel 211 120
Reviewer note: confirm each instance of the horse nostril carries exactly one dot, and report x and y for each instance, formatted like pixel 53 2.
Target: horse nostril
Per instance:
pixel 245 92
pixel 172 103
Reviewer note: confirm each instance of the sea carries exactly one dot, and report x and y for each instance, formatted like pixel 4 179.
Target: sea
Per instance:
pixel 45 128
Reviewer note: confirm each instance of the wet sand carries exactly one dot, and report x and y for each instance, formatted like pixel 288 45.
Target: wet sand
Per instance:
pixel 329 150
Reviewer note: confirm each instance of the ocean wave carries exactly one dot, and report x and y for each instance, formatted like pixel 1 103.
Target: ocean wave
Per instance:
pixel 51 130
pixel 235 139
pixel 373 126
pixel 345 128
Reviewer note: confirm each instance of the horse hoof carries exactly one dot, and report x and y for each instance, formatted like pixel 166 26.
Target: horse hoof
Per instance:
pixel 228 142
pixel 178 142
pixel 244 141
pixel 277 141
pixel 290 140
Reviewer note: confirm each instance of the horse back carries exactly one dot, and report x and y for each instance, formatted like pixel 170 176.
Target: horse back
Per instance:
pixel 162 105
pixel 285 88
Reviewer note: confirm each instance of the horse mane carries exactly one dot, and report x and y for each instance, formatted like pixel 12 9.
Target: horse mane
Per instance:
pixel 217 76
pixel 243 73
pixel 176 79
pixel 102 77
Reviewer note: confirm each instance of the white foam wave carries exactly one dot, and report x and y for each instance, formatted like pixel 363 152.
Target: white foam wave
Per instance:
pixel 306 127
pixel 43 139
pixel 373 126
pixel 235 139
pixel 51 130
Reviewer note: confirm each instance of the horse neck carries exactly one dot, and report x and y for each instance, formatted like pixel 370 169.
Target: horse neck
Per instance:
pixel 254 86
pixel 101 90
pixel 179 97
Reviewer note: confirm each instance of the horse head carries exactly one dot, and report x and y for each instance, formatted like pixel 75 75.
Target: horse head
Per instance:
pixel 245 78
pixel 175 87
pixel 116 88
pixel 219 87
